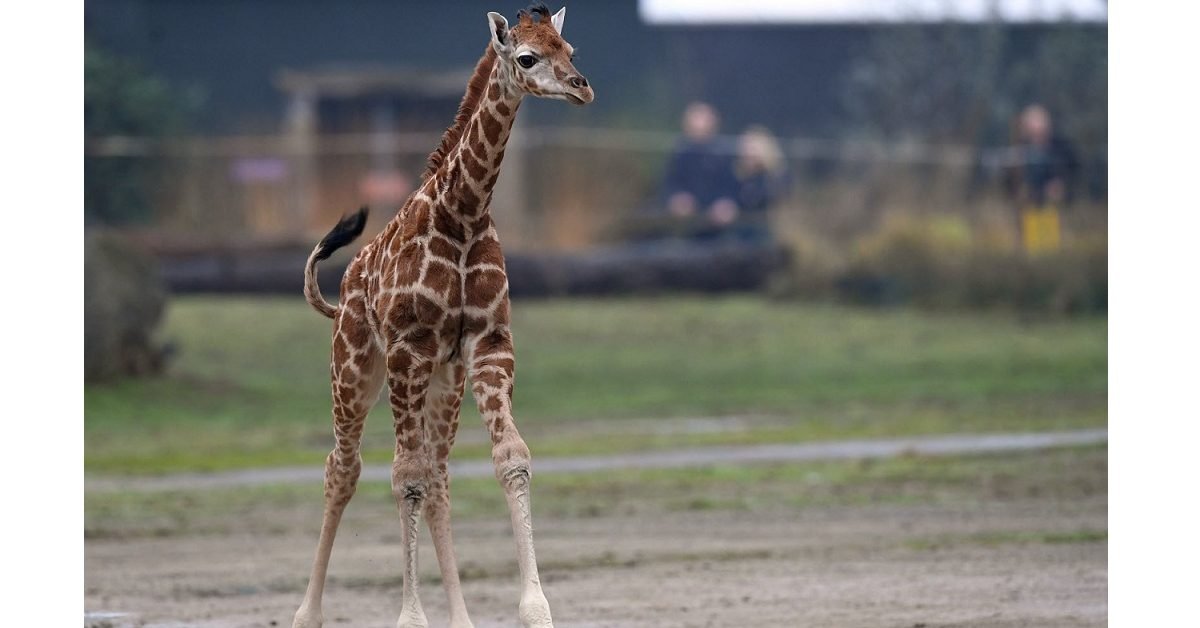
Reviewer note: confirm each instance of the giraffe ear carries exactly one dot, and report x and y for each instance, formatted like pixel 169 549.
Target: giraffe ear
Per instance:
pixel 498 26
pixel 557 19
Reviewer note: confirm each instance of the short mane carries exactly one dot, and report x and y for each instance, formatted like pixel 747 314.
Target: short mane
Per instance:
pixel 536 10
pixel 470 102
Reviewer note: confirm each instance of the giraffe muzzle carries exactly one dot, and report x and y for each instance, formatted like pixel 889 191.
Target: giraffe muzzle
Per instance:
pixel 581 93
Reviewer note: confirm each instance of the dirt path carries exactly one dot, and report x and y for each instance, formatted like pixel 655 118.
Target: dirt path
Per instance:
pixel 1026 563
pixel 1018 544
pixel 677 458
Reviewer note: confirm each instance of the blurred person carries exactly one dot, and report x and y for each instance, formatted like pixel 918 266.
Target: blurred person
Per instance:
pixel 760 172
pixel 700 188
pixel 1047 167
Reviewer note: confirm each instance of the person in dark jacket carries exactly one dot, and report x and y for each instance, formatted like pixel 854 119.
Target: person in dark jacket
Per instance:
pixel 1046 169
pixel 700 189
pixel 1048 162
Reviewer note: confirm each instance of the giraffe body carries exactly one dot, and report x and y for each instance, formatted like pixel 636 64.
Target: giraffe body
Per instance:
pixel 423 308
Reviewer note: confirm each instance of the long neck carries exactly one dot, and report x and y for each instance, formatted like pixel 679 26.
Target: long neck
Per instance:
pixel 473 165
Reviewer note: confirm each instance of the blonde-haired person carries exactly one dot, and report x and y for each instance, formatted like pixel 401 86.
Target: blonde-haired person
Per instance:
pixel 761 173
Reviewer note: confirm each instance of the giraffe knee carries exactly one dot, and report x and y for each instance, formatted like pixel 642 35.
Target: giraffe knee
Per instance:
pixel 411 479
pixel 512 459
pixel 413 491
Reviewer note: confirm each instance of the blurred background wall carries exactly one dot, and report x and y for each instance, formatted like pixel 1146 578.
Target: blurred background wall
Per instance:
pixel 251 125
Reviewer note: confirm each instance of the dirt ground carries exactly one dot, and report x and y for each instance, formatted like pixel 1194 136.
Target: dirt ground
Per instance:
pixel 1023 562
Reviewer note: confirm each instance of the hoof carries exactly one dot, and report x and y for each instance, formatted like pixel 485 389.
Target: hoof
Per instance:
pixel 535 611
pixel 412 618
pixel 306 619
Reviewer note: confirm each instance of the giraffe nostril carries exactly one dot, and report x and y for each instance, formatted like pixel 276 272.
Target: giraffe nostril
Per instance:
pixel 578 81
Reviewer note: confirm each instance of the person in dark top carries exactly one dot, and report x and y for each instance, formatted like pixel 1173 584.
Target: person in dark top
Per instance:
pixel 760 173
pixel 1048 162
pixel 1046 169
pixel 700 190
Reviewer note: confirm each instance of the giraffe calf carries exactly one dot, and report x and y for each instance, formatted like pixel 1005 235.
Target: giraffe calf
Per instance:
pixel 423 307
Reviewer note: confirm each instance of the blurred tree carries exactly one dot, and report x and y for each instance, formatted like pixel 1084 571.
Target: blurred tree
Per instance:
pixel 121 99
pixel 925 82
pixel 959 83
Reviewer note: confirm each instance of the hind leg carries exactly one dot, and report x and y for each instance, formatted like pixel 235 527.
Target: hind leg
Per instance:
pixel 441 424
pixel 357 372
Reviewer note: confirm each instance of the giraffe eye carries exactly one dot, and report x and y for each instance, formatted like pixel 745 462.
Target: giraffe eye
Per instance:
pixel 526 61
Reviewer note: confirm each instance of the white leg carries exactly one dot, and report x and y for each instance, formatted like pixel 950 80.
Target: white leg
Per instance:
pixel 492 383
pixel 534 610
pixel 340 483
pixel 437 510
pixel 409 500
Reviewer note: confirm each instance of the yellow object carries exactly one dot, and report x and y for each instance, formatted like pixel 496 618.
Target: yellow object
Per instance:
pixel 1040 231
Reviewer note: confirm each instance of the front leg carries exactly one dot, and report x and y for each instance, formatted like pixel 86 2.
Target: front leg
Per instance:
pixel 492 382
pixel 412 469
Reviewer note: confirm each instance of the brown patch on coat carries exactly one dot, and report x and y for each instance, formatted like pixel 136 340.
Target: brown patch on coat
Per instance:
pixel 497 341
pixel 491 129
pixel 446 225
pixel 483 286
pixel 485 251
pixel 475 168
pixel 428 311
pixel 418 221
pixel 341 351
pixel 441 247
pixel 408 264
pixel 363 360
pixel 356 332
pixel 440 279
pixel 467 201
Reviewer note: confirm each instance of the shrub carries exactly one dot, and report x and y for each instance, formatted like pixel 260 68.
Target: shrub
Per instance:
pixel 124 300
pixel 939 262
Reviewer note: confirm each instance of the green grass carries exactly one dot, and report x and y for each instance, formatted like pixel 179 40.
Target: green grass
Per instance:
pixel 250 385
pixel 1059 475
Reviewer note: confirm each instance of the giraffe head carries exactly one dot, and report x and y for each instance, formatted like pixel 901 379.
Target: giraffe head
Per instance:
pixel 539 60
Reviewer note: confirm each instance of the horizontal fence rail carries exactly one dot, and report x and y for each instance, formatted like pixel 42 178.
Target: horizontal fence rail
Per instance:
pixel 417 143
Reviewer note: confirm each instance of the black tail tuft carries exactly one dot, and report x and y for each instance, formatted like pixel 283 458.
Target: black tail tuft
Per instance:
pixel 343 233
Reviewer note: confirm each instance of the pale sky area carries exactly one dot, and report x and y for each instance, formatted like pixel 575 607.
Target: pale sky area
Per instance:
pixel 800 11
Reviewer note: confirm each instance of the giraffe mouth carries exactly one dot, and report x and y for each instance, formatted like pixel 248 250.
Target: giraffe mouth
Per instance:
pixel 571 97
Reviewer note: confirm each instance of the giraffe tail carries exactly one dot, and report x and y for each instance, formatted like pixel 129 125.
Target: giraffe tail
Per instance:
pixel 347 229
